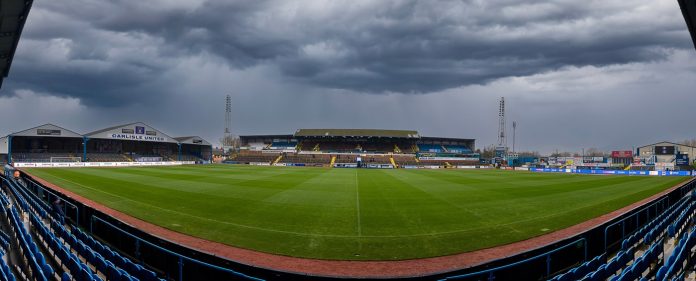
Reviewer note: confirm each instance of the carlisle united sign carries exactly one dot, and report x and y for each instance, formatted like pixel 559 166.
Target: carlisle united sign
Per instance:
pixel 136 137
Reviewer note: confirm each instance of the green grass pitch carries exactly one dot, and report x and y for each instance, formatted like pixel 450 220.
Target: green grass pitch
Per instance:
pixel 355 214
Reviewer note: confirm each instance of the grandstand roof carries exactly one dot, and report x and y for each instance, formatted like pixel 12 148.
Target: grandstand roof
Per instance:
pixel 47 130
pixel 665 142
pixel 688 8
pixel 445 139
pixel 357 133
pixel 267 136
pixel 196 140
pixel 13 14
pixel 137 131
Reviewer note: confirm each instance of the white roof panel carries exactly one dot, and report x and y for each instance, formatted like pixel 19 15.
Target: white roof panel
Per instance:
pixel 137 131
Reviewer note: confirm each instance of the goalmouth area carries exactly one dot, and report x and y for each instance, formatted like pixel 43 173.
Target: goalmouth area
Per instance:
pixel 355 214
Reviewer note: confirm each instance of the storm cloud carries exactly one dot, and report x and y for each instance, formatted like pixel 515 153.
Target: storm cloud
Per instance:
pixel 348 63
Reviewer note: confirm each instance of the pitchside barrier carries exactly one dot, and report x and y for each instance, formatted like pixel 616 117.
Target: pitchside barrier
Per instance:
pixel 100 164
pixel 177 262
pixel 612 172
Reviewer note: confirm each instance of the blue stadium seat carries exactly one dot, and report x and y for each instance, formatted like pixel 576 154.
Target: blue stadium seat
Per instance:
pixel 47 269
pixel 114 273
pixel 85 273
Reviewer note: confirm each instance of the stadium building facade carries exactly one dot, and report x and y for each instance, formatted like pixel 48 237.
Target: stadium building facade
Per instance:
pixel 667 155
pixel 133 142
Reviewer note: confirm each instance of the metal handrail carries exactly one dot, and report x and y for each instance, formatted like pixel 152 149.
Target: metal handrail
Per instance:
pixel 180 256
pixel 548 261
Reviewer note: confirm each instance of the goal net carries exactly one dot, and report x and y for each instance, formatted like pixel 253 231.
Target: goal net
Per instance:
pixel 65 159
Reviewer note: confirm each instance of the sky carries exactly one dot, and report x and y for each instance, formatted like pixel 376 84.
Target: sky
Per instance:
pixel 609 74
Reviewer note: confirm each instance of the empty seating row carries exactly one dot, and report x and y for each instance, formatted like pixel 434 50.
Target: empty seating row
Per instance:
pixel 649 233
pixel 106 261
pixel 60 251
pixel 450 162
pixel 637 269
pixel 458 149
pixel 581 270
pixel 283 145
pixel 655 228
pixel 402 160
pixel 29 201
pixel 678 225
pixel 430 148
pixel 44 157
pixel 28 249
pixel 346 158
pixel 675 261
pixel 252 156
pixel 188 157
pixel 377 159
pixel 79 270
pixel 306 158
pixel 101 251
pixel 5 271
pixel 107 157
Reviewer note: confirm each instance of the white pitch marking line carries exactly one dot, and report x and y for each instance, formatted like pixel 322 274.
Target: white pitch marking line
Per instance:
pixel 357 199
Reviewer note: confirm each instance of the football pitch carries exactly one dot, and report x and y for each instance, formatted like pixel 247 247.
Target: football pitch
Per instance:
pixel 355 214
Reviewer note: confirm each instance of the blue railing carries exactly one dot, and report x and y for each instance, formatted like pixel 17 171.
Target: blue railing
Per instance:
pixel 635 215
pixel 181 257
pixel 547 255
pixel 46 204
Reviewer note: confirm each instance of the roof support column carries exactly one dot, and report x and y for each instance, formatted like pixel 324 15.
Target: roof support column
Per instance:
pixel 179 145
pixel 84 148
pixel 9 149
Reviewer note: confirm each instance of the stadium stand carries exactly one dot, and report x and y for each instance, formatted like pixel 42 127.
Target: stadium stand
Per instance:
pixel 51 248
pixel 355 141
pixel 252 156
pixel 403 160
pixel 644 250
pixel 65 248
pixel 448 162
pixel 298 158
pixel 194 158
pixel 283 145
pixel 108 157
pixel 457 149
pixel 430 148
pixel 346 158
pixel 376 159
pixel 45 157
pixel 137 141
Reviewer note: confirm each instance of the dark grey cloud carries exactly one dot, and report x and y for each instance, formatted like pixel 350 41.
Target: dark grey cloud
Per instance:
pixel 86 64
pixel 361 46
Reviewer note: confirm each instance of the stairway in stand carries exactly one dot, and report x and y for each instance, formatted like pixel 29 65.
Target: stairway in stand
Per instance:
pixel 277 159
pixel 298 148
